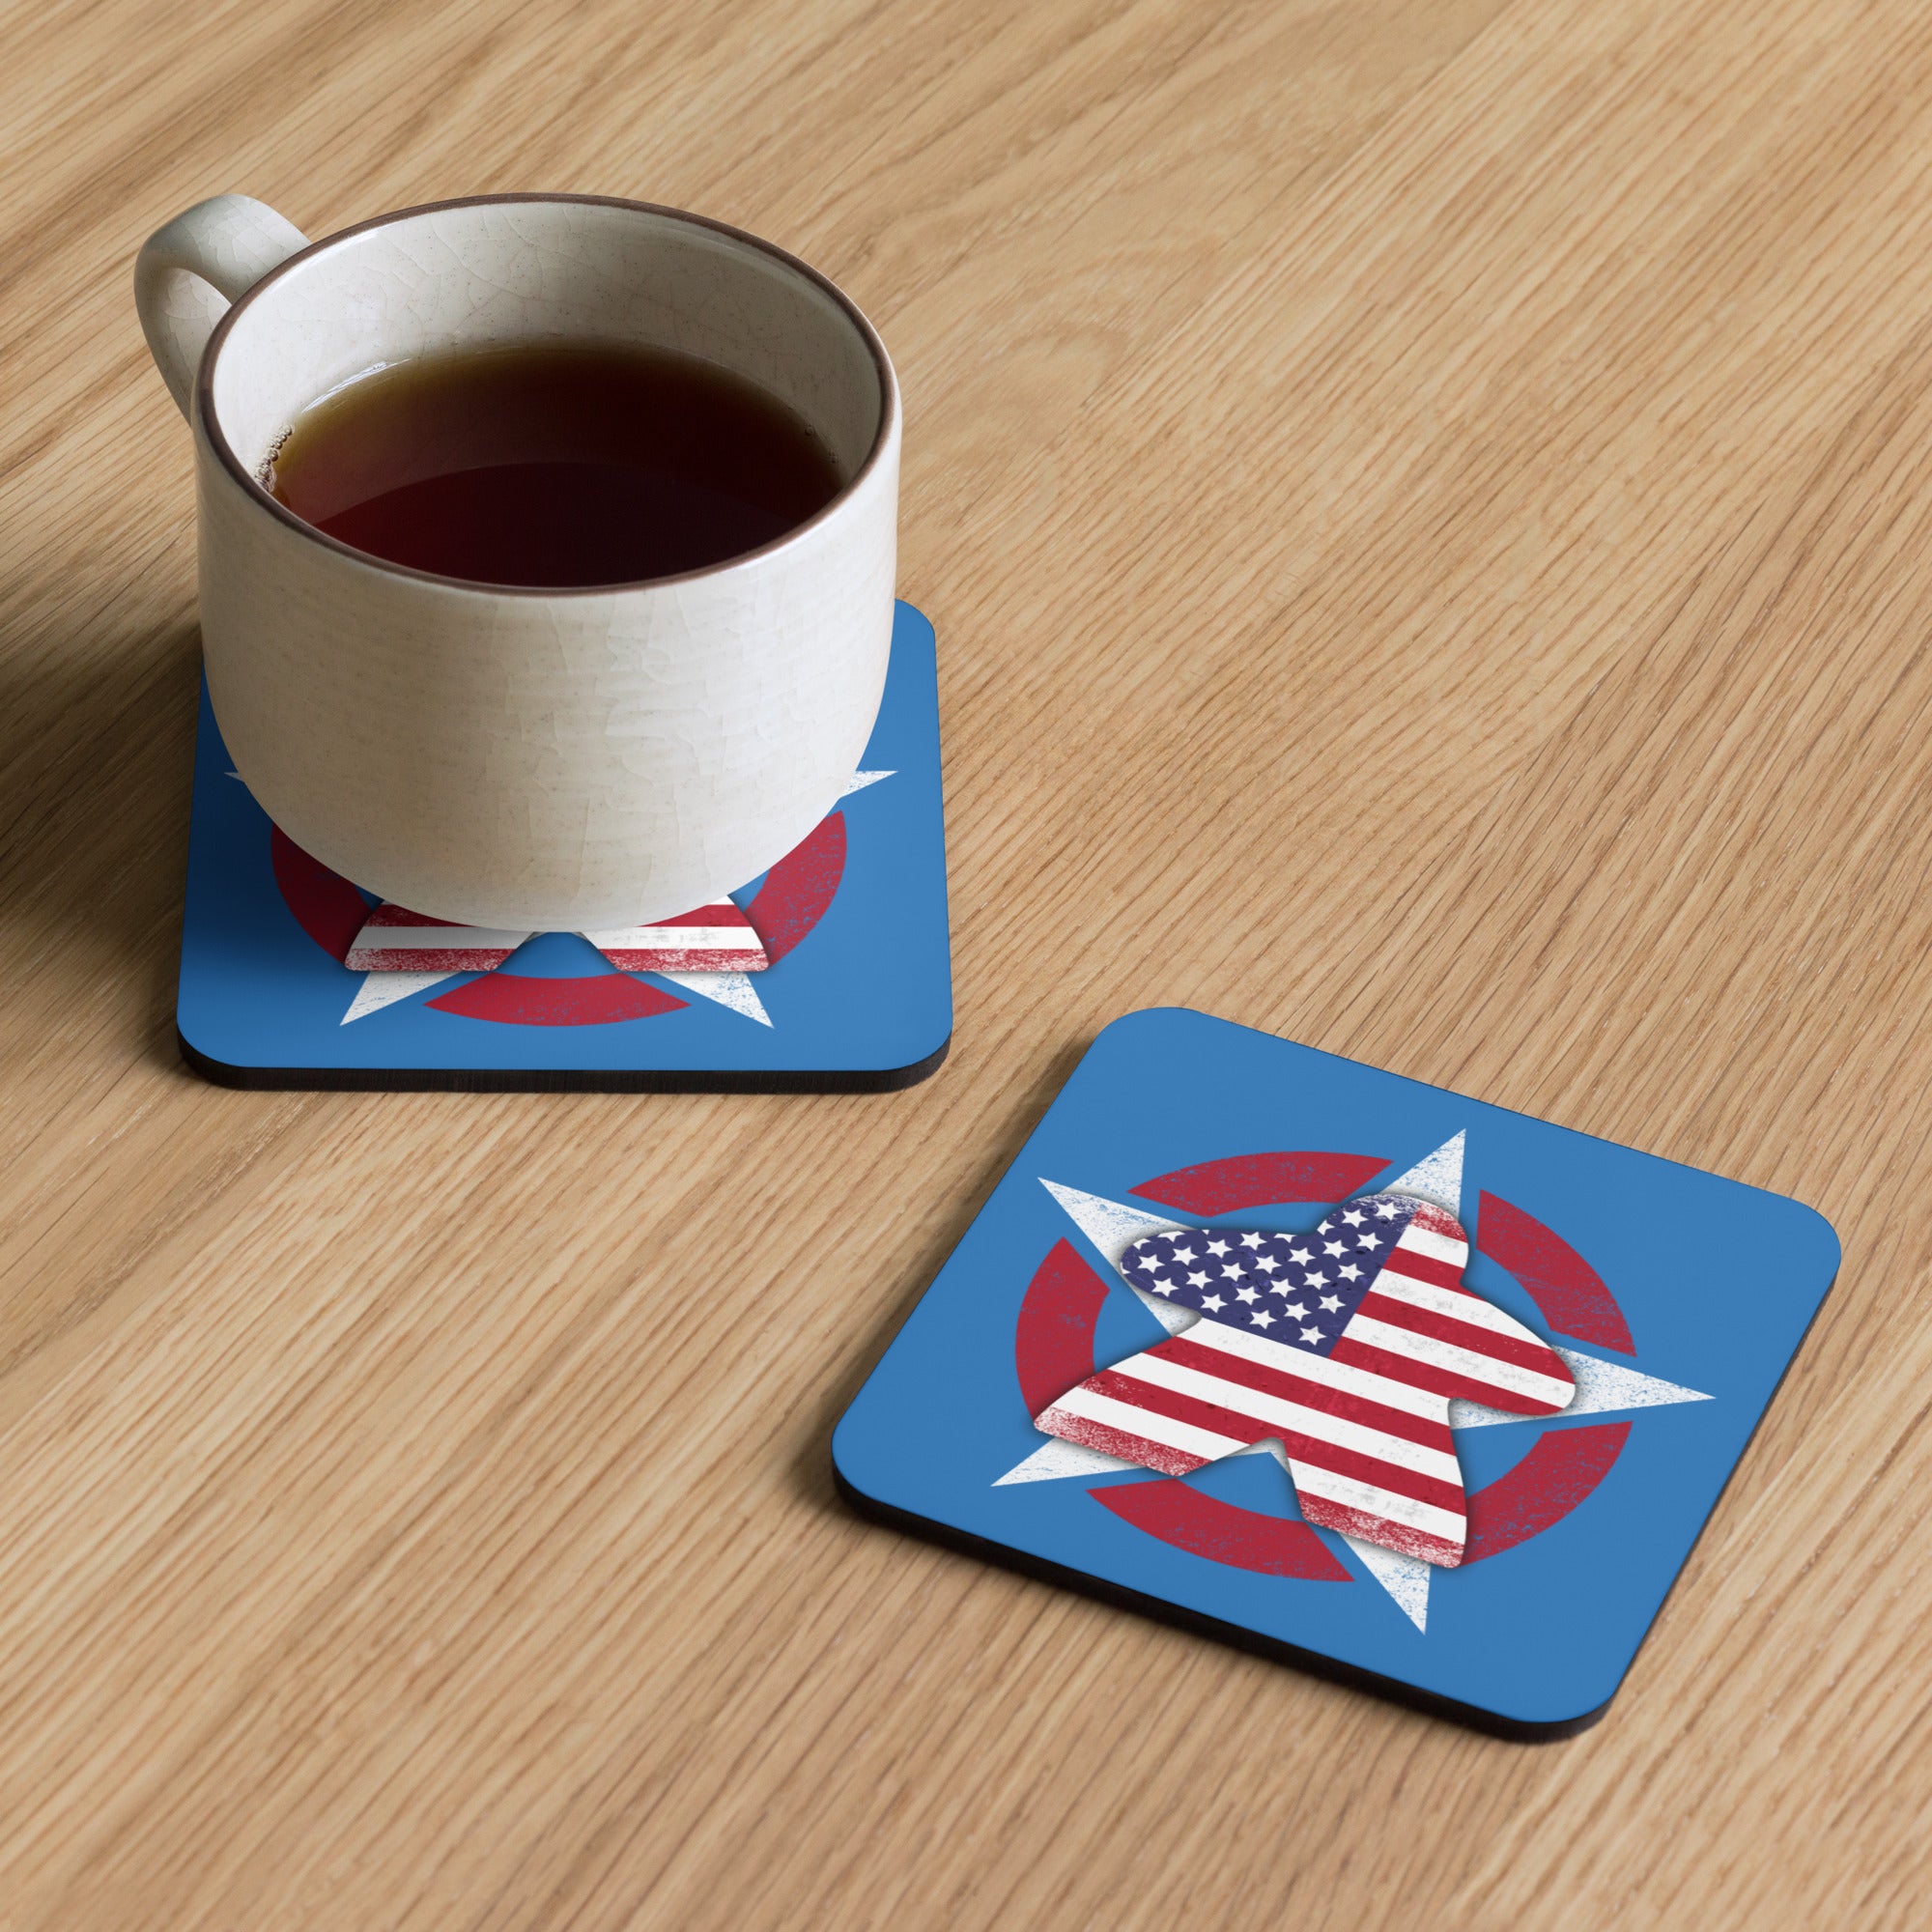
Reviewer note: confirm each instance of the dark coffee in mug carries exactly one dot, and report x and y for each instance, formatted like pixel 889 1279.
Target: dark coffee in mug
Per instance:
pixel 555 465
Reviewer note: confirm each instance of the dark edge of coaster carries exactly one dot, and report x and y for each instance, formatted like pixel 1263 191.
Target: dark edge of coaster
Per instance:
pixel 570 1080
pixel 1199 1624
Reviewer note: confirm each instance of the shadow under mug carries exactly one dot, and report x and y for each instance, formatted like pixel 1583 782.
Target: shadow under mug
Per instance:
pixel 534 759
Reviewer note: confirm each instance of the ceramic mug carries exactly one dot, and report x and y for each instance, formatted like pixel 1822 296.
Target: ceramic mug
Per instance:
pixel 531 759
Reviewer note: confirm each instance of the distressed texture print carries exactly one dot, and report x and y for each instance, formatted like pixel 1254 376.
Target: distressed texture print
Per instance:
pixel 1346 1346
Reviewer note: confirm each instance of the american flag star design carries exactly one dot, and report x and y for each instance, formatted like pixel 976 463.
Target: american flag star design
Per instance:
pixel 1346 1346
pixel 714 939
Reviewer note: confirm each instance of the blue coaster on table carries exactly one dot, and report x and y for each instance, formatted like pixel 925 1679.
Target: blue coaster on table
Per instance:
pixel 857 995
pixel 1402 1388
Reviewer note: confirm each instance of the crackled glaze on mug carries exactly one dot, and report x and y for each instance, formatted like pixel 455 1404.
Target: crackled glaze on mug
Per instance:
pixel 535 759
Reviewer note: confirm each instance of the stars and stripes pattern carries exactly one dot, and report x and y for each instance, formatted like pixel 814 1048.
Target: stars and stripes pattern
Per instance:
pixel 1346 1346
pixel 714 939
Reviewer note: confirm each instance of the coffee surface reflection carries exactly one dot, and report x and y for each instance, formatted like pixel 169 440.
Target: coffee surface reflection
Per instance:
pixel 553 466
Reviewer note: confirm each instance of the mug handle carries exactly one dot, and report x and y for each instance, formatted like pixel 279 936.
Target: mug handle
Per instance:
pixel 188 273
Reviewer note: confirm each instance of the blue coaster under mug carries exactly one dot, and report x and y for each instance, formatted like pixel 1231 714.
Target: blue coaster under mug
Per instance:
pixel 857 997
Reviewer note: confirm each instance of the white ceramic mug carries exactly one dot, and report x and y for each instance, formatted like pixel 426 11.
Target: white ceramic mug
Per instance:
pixel 535 759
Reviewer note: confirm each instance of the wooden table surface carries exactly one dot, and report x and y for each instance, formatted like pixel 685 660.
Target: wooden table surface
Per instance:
pixel 1538 392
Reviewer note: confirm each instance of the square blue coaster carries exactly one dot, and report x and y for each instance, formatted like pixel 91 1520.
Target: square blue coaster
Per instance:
pixel 857 997
pixel 1675 1298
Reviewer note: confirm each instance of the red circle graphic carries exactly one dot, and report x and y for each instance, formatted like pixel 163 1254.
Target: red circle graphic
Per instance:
pixel 1053 1349
pixel 796 895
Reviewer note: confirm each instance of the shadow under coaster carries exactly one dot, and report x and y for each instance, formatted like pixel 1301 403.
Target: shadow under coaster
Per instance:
pixel 857 997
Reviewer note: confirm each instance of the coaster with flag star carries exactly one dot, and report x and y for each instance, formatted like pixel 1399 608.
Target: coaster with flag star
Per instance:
pixel 831 973
pixel 1395 1385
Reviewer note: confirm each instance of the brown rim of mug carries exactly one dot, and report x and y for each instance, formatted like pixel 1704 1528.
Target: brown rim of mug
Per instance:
pixel 204 384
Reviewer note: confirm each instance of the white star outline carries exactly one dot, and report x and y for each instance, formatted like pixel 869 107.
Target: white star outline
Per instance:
pixel 1112 1226
pixel 735 992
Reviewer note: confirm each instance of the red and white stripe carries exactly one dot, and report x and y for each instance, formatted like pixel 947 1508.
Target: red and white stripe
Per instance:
pixel 395 939
pixel 1420 1324
pixel 714 939
pixel 1366 1428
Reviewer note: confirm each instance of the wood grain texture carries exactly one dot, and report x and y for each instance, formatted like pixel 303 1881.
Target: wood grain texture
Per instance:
pixel 1430 498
